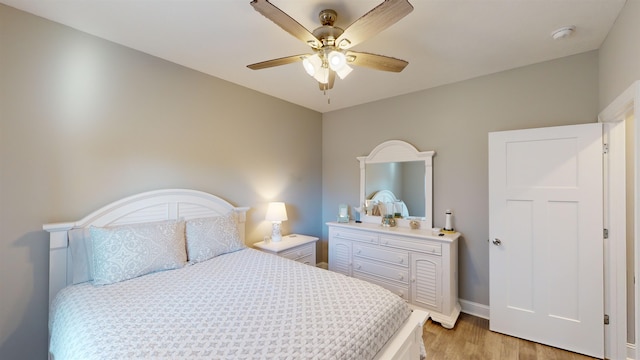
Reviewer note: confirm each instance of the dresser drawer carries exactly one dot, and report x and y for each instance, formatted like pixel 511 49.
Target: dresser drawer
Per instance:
pixel 389 272
pixel 299 252
pixel 400 290
pixel 379 253
pixel 354 235
pixel 424 246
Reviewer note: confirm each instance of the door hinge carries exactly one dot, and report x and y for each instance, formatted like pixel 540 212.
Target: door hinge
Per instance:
pixel 606 319
pixel 605 233
pixel 605 148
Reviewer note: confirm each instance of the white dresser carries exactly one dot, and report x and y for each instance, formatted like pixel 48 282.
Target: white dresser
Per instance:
pixel 418 265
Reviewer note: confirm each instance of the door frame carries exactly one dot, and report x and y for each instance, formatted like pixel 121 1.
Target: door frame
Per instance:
pixel 615 220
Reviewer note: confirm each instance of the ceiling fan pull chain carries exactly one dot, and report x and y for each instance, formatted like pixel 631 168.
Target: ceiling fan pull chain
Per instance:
pixel 328 97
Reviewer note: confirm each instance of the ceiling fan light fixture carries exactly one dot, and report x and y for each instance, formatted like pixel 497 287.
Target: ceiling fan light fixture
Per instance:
pixel 322 75
pixel 344 71
pixel 312 64
pixel 337 60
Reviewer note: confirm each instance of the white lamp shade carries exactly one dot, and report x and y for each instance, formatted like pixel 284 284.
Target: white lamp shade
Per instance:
pixel 322 75
pixel 336 60
pixel 344 71
pixel 276 211
pixel 312 64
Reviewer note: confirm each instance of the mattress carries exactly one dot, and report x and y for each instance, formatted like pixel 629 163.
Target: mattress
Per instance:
pixel 242 305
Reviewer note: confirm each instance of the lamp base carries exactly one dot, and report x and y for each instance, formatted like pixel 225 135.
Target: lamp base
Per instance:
pixel 276 235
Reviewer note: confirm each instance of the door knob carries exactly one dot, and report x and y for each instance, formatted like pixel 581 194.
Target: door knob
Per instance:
pixel 497 242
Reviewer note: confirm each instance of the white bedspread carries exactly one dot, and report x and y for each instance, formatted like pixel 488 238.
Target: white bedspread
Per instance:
pixel 243 305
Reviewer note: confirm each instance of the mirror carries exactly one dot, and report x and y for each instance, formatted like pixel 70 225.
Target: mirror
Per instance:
pixel 404 179
pixel 395 171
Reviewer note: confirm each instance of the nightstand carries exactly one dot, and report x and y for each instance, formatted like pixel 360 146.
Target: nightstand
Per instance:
pixel 301 248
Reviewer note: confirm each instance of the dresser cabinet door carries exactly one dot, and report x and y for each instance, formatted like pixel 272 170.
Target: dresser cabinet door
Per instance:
pixel 426 281
pixel 340 252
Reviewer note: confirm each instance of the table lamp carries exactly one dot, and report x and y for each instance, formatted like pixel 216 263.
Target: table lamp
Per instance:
pixel 276 213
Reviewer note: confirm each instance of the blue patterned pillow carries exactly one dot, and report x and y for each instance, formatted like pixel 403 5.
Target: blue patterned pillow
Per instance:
pixel 212 236
pixel 128 251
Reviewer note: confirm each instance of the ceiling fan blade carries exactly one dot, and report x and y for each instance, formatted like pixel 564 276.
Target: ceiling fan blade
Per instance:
pixel 373 22
pixel 377 62
pixel 286 22
pixel 277 62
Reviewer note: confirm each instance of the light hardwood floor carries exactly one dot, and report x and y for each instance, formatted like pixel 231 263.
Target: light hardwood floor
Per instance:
pixel 471 339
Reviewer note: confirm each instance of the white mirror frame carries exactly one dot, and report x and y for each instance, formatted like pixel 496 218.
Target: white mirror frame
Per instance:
pixel 400 151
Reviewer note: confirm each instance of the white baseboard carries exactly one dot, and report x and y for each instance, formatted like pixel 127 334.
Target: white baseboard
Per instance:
pixel 631 351
pixel 323 265
pixel 475 309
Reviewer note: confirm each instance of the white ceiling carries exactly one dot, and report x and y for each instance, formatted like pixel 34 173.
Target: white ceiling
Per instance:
pixel 444 41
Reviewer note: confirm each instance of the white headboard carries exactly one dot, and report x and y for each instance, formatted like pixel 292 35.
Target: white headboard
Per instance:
pixel 169 204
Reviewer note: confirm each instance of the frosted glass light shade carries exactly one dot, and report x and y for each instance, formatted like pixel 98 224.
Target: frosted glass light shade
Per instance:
pixel 344 71
pixel 322 75
pixel 312 64
pixel 337 60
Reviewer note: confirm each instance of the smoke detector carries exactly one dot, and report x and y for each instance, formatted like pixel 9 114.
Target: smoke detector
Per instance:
pixel 563 32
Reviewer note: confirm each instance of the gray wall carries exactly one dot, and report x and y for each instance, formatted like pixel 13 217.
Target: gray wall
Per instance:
pixel 84 122
pixel 454 120
pixel 619 68
pixel 619 54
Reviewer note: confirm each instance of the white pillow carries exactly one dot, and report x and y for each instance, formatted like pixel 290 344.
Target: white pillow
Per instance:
pixel 128 251
pixel 212 236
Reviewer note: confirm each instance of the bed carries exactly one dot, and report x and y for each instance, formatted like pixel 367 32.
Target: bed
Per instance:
pixel 207 299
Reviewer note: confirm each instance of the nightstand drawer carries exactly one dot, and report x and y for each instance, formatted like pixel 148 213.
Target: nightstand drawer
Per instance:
pixel 308 260
pixel 299 252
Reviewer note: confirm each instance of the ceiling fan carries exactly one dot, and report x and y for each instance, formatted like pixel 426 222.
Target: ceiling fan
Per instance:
pixel 330 43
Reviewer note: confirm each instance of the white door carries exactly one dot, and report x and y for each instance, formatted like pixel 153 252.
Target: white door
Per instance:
pixel 546 236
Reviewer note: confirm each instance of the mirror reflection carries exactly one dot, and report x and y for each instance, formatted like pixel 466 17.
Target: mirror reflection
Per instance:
pixel 402 180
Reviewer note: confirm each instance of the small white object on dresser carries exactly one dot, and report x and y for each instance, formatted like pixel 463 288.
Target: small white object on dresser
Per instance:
pixel 417 264
pixel 301 248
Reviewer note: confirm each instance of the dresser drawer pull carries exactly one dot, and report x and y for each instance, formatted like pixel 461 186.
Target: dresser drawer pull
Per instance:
pixel 358 266
pixel 400 277
pixel 401 294
pixel 400 260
